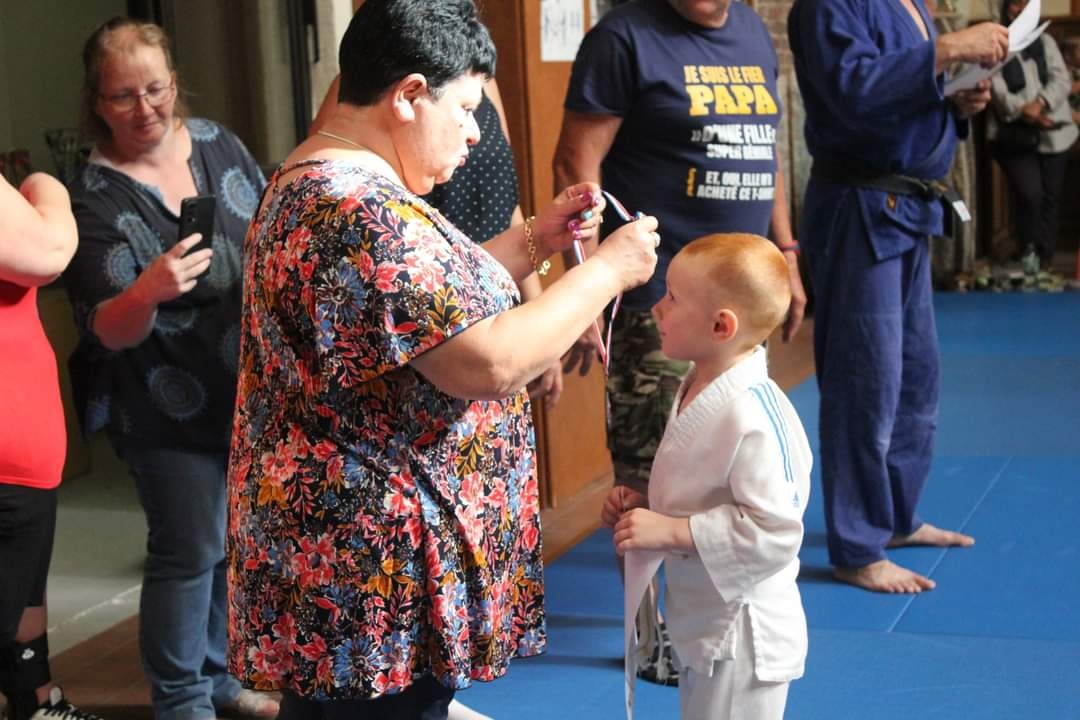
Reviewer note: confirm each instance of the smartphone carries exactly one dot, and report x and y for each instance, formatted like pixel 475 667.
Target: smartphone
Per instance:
pixel 197 216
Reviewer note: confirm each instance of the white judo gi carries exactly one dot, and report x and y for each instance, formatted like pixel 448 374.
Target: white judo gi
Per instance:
pixel 736 461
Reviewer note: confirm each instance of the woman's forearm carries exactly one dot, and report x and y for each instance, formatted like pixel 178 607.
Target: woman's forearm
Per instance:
pixel 501 354
pixel 125 320
pixel 536 334
pixel 511 249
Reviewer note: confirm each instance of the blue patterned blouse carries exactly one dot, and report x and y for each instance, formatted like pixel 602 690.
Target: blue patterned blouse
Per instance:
pixel 177 387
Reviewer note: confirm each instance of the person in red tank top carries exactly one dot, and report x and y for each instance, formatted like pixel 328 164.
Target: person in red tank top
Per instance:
pixel 37 240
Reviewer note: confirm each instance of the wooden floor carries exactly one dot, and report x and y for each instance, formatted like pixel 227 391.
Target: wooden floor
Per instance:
pixel 103 674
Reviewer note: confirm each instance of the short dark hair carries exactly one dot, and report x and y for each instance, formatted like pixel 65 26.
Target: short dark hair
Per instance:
pixel 389 39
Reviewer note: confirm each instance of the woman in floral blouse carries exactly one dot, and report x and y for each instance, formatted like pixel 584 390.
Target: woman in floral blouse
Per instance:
pixel 384 539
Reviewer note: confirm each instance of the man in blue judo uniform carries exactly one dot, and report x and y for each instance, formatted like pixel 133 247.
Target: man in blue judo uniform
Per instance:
pixel 882 136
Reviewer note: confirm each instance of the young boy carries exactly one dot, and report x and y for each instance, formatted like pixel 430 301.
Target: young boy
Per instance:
pixel 728 486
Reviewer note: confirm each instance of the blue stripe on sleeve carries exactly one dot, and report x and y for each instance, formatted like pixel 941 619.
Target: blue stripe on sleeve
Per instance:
pixel 768 402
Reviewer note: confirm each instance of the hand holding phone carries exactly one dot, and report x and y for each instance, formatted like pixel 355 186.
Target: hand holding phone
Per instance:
pixel 197 216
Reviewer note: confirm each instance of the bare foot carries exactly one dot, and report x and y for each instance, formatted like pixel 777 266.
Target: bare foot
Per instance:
pixel 927 534
pixel 884 576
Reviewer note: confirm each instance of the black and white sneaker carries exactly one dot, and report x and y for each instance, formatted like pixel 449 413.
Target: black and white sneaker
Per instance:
pixel 57 708
pixel 660 667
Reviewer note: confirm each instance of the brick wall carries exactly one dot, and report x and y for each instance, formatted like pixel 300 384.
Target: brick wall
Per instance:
pixel 792 145
pixel 775 13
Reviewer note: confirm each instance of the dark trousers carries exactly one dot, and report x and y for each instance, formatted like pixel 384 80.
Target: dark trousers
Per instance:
pixel 425 699
pixel 1035 182
pixel 27 525
pixel 875 344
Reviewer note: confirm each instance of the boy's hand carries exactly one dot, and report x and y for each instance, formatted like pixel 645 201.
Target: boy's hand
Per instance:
pixel 641 529
pixel 619 500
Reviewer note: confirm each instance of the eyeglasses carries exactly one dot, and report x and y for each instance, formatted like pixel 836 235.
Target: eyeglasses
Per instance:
pixel 155 97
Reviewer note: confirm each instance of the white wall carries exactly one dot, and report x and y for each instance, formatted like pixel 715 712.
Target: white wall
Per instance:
pixel 201 46
pixel 41 68
pixel 334 17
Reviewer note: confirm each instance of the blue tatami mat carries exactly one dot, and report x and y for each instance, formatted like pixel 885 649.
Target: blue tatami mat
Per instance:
pixel 581 675
pixel 1000 635
pixel 955 488
pixel 1009 325
pixel 1022 578
pixel 1009 405
pixel 898 676
pixel 1010 372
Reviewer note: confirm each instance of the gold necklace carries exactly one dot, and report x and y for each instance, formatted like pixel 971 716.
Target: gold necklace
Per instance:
pixel 342 139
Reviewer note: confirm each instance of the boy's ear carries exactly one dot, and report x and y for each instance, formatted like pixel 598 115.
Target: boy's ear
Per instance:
pixel 725 325
pixel 406 92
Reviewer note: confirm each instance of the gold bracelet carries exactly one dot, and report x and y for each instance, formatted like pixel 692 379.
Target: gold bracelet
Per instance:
pixel 541 268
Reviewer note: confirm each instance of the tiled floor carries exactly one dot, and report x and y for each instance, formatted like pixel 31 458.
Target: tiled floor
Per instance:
pixel 94 583
pixel 98 553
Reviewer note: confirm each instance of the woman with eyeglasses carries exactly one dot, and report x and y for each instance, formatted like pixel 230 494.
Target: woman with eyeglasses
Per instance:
pixel 155 367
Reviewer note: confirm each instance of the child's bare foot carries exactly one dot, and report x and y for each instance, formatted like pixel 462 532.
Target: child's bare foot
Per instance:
pixel 927 534
pixel 884 576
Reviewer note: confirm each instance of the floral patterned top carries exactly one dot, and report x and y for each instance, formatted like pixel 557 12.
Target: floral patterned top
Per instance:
pixel 379 529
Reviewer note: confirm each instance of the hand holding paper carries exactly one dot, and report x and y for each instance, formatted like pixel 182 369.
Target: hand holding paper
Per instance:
pixel 985 44
pixel 964 45
pixel 972 101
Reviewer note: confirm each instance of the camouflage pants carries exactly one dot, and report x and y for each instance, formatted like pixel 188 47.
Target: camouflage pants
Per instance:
pixel 641 388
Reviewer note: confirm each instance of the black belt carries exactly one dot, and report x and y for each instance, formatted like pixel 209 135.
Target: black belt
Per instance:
pixel 890 183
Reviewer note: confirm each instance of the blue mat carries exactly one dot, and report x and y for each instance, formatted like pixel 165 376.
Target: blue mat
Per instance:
pixel 998 638
pixel 1022 578
pixel 955 488
pixel 895 676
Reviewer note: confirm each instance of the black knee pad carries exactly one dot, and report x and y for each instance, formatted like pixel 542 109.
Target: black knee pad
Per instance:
pixel 24 667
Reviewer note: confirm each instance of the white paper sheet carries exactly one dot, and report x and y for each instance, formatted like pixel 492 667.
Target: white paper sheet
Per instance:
pixel 1024 25
pixel 562 26
pixel 639 568
pixel 971 75
pixel 1023 31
